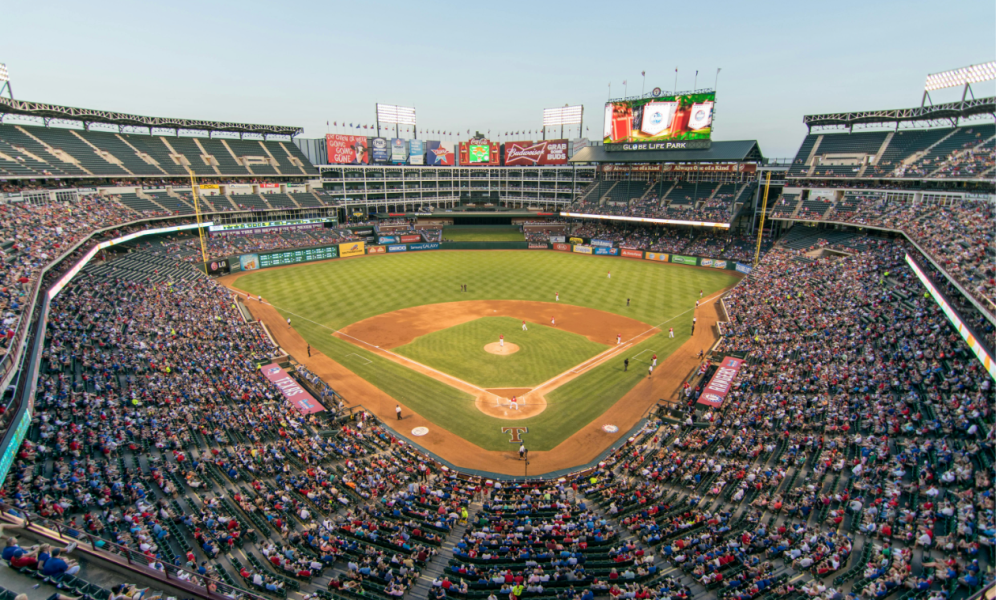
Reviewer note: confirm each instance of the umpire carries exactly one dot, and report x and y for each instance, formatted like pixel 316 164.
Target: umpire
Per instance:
pixel 626 364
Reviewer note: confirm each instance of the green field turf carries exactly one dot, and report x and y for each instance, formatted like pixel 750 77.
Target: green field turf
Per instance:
pixel 483 234
pixel 323 297
pixel 544 352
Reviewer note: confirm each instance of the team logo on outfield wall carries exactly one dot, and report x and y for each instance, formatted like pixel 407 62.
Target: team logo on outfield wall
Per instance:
pixel 376 249
pixel 515 433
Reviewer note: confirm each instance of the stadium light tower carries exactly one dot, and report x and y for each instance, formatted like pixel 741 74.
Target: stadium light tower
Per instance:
pixel 567 115
pixel 397 115
pixel 957 77
pixel 5 81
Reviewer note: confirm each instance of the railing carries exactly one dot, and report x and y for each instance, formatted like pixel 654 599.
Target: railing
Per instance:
pixel 100 548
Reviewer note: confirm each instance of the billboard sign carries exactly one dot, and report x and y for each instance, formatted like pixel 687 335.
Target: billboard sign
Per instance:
pixel 376 249
pixel 293 393
pixel 430 246
pixel 479 152
pixel 684 260
pixel 218 267
pixel 351 249
pixel 557 239
pixel 561 247
pixel 660 256
pixel 720 384
pixel 575 240
pixel 439 155
pixel 582 249
pixel 744 269
pixel 606 251
pixel 387 239
pixel 397 248
pixel 714 264
pixel 630 253
pixel 347 149
pixel 416 152
pixel 399 151
pixel 604 243
pixel 380 150
pixel 654 123
pixel 578 144
pixel 549 152
pixel 249 262
pixel 410 238
pixel 537 246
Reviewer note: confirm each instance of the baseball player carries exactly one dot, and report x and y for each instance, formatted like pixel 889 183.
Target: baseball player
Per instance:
pixel 556 296
pixel 702 293
pixel 650 370
pixel 697 303
pixel 289 321
pixel 501 340
pixel 619 339
pixel 655 359
pixel 608 274
pixel 513 403
pixel 693 326
pixel 671 332
pixel 523 325
pixel 553 320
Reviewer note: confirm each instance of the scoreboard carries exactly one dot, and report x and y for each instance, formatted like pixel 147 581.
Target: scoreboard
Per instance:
pixel 290 257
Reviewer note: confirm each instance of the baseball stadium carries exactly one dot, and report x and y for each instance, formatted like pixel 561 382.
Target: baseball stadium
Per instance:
pixel 383 358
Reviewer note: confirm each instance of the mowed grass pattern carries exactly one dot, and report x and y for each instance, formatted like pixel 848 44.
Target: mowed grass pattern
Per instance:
pixel 323 297
pixel 544 352
pixel 483 234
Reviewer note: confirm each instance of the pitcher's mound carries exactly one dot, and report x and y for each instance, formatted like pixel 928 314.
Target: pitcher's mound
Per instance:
pixel 506 348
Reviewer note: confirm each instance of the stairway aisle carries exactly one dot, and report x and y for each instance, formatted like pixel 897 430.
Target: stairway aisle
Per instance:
pixel 435 568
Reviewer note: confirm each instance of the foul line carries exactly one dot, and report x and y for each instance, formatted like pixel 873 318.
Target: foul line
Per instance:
pixel 358 356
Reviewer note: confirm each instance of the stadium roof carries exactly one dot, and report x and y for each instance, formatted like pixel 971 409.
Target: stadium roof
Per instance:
pixel 935 112
pixel 86 115
pixel 736 151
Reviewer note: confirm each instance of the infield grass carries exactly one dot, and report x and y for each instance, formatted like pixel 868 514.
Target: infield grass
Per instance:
pixel 322 297
pixel 501 233
pixel 544 352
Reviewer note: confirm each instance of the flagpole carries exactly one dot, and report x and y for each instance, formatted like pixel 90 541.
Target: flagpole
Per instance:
pixel 625 88
pixel 643 84
pixel 675 77
pixel 608 91
pixel 695 80
pixel 716 78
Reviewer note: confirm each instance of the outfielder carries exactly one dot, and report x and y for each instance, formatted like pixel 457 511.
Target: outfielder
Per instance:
pixel 671 332
pixel 523 325
pixel 608 274
pixel 556 296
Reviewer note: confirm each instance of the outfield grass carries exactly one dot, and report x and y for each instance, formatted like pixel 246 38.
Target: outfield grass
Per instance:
pixel 544 352
pixel 503 233
pixel 323 297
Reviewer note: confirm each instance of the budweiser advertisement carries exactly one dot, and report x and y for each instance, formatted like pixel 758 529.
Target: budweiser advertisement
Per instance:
pixel 719 386
pixel 347 149
pixel 548 152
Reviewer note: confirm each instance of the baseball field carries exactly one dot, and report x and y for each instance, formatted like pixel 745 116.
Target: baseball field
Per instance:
pixel 402 324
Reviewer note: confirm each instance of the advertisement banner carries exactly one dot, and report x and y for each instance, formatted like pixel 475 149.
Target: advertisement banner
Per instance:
pixel 351 249
pixel 380 150
pixel 628 252
pixel 561 247
pixel 293 393
pixel 582 250
pixel 376 249
pixel 667 118
pixel 479 152
pixel 291 257
pixel 575 240
pixel 387 239
pixel 578 144
pixel 399 151
pixel 249 262
pixel 218 267
pixel 660 256
pixel 604 243
pixel 430 246
pixel 270 186
pixel 606 251
pixel 397 248
pixel 346 149
pixel 714 264
pixel 548 152
pixel 536 246
pixel 745 269
pixel 416 152
pixel 439 155
pixel 410 238
pixel 716 390
pixel 684 260
pixel 209 186
pixel 557 239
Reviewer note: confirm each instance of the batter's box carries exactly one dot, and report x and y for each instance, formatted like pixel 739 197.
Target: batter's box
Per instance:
pixel 366 361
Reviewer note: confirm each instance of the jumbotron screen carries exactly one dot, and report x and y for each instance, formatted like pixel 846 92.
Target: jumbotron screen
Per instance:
pixel 478 153
pixel 682 118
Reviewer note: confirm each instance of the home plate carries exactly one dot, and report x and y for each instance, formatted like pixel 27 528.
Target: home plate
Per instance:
pixel 420 431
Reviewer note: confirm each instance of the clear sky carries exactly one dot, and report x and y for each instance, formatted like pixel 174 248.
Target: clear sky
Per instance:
pixel 489 65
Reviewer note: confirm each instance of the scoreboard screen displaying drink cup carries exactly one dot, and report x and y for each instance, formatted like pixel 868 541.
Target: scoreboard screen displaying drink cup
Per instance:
pixel 478 153
pixel 681 122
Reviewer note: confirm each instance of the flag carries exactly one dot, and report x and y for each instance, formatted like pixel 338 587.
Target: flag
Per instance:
pixel 695 73
pixel 327 123
pixel 643 73
pixel 625 82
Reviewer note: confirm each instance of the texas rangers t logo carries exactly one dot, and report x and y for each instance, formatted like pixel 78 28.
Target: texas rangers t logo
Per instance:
pixel 515 433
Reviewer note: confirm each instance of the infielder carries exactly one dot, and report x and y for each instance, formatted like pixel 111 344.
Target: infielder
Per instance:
pixel 671 332
pixel 523 325
pixel 556 296
pixel 619 339
pixel 655 359
pixel 553 320
pixel 501 340
pixel 650 370
pixel 697 303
